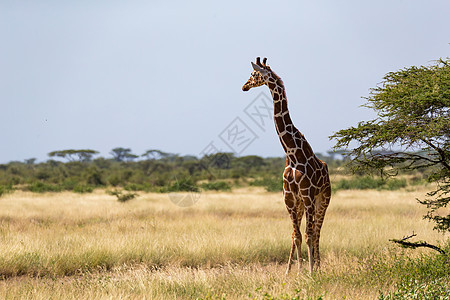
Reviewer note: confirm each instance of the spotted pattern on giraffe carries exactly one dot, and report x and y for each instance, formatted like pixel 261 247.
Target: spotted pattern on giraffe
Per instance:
pixel 306 182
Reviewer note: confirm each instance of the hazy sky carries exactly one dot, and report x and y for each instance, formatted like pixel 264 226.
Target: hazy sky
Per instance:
pixel 168 74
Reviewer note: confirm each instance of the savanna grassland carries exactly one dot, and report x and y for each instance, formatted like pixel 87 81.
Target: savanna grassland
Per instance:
pixel 231 245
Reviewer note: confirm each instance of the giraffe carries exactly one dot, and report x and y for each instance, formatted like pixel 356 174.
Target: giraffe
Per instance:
pixel 306 183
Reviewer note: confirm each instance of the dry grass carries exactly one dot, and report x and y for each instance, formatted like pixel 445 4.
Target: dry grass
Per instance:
pixel 69 245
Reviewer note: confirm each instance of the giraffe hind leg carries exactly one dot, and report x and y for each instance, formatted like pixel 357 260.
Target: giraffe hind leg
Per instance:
pixel 322 204
pixel 296 239
pixel 298 236
pixel 310 230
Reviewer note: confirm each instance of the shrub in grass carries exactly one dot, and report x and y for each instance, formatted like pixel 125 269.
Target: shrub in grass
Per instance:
pixel 271 184
pixel 81 188
pixel 121 196
pixel 368 182
pixel 433 289
pixel 69 184
pixel 138 187
pixel 216 186
pixel 114 179
pixel 417 180
pixel 42 187
pixel 365 183
pixel 395 184
pixel 5 189
pixel 93 176
pixel 426 277
pixel 183 185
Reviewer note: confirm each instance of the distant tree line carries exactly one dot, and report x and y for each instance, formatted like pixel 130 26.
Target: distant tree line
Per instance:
pixel 154 170
pixel 159 171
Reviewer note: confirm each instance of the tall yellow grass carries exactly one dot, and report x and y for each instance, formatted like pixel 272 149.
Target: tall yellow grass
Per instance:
pixel 69 245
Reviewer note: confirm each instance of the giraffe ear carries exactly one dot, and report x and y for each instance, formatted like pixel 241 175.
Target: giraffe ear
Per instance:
pixel 259 69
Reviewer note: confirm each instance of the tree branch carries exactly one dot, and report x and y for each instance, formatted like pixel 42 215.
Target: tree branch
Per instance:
pixel 402 242
pixel 441 153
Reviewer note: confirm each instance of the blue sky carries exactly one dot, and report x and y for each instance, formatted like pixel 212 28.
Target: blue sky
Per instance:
pixel 168 74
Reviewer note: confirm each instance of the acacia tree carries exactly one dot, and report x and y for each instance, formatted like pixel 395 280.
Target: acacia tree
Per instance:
pixel 156 154
pixel 412 107
pixel 84 155
pixel 123 154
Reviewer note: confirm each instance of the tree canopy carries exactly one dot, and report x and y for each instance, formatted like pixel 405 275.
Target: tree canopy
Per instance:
pixel 411 131
pixel 123 154
pixel 72 155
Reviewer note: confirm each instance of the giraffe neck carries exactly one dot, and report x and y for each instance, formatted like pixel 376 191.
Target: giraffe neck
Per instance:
pixel 294 143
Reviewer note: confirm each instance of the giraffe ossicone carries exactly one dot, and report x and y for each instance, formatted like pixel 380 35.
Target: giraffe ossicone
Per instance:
pixel 306 182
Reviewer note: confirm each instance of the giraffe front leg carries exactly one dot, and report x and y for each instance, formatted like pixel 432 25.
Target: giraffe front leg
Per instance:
pixel 291 255
pixel 291 207
pixel 296 241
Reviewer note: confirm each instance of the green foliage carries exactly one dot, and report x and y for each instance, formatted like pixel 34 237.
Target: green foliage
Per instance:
pixel 260 293
pixel 157 174
pixel 369 182
pixel 123 154
pixel 216 186
pixel 185 184
pixel 70 154
pixel 138 187
pixel 69 184
pixel 157 154
pixel 412 107
pixel 271 184
pixel 425 277
pixel 395 184
pixel 42 187
pixel 5 189
pixel 121 196
pixel 94 176
pixel 83 189
pixel 114 179
pixel 433 289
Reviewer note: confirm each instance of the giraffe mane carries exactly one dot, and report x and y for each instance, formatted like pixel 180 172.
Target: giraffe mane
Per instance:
pixel 277 78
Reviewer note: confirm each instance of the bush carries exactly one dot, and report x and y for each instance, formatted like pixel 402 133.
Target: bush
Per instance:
pixel 138 187
pixel 434 289
pixel 114 179
pixel 41 187
pixel 425 277
pixel 93 176
pixel 368 182
pixel 83 189
pixel 5 189
pixel 122 197
pixel 360 183
pixel 395 184
pixel 216 186
pixel 183 185
pixel 271 184
pixel 69 184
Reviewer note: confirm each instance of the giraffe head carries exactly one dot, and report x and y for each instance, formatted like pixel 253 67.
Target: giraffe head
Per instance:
pixel 259 76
